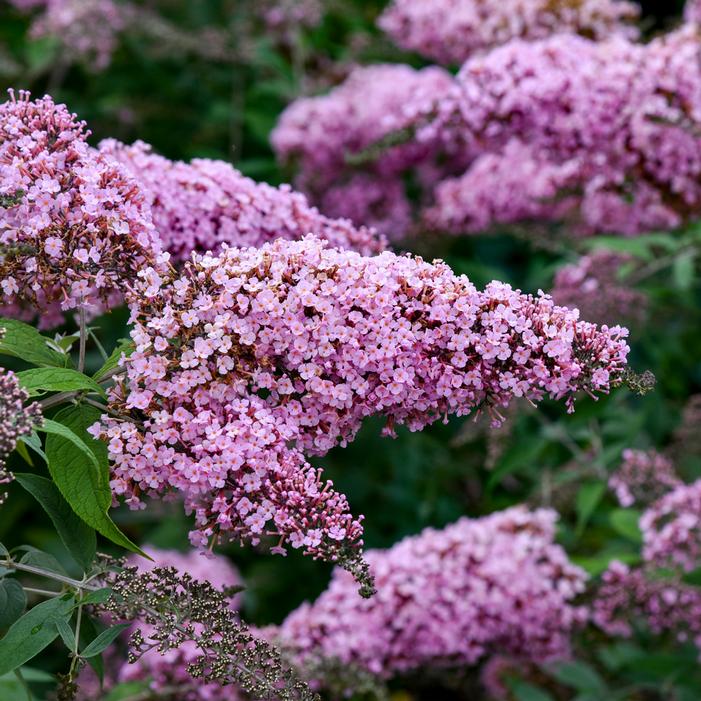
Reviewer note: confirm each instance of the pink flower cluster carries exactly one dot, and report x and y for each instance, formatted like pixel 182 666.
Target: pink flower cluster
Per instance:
pixel 496 584
pixel 672 528
pixel 616 121
pixel 450 31
pixel 246 362
pixel 593 286
pixel 85 28
pixel 643 477
pixel 600 136
pixel 655 592
pixel 321 134
pixel 378 202
pixel 692 11
pixel 204 204
pixel 292 14
pixel 667 605
pixel 74 227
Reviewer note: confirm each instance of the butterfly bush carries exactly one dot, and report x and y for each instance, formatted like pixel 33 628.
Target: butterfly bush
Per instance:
pixel 667 605
pixel 672 528
pixel 642 477
pixel 378 202
pixel 593 286
pixel 692 11
pixel 169 670
pixel 74 226
pixel 496 584
pixel 85 28
pixel 204 204
pixel 320 134
pixel 247 362
pixel 16 419
pixel 292 14
pixel 450 31
pixel 614 123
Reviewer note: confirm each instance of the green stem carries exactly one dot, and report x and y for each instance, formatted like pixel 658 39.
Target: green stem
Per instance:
pixel 55 399
pixel 83 339
pixel 23 682
pixel 100 347
pixel 42 592
pixel 76 651
pixel 40 572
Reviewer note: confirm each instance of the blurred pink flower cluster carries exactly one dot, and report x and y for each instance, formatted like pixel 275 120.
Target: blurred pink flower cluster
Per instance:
pixel 73 224
pixel 594 286
pixel 201 205
pixel 671 530
pixel 492 585
pixel 85 28
pixel 642 477
pixel 628 594
pixel 247 362
pixel 602 136
pixel 450 31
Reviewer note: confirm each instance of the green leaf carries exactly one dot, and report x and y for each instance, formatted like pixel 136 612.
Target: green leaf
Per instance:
pixel 13 601
pixel 625 523
pixel 38 558
pixel 103 640
pixel 127 690
pixel 89 630
pixel 518 457
pixel 34 442
pixel 125 346
pixel 29 635
pixel 100 596
pixel 683 270
pixel 588 498
pixel 40 380
pixel 76 535
pixel 527 692
pixel 55 428
pixel 82 478
pixel 579 676
pixel 22 450
pixel 66 633
pixel 25 342
pixel 693 578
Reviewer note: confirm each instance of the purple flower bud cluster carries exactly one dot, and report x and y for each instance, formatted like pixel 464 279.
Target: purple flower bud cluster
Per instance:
pixel 450 31
pixel 170 670
pixel 16 420
pixel 642 477
pixel 247 362
pixel 593 286
pixel 74 226
pixel 204 204
pixel 492 585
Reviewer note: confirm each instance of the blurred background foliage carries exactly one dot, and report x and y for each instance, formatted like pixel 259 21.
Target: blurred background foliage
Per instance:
pixel 209 78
